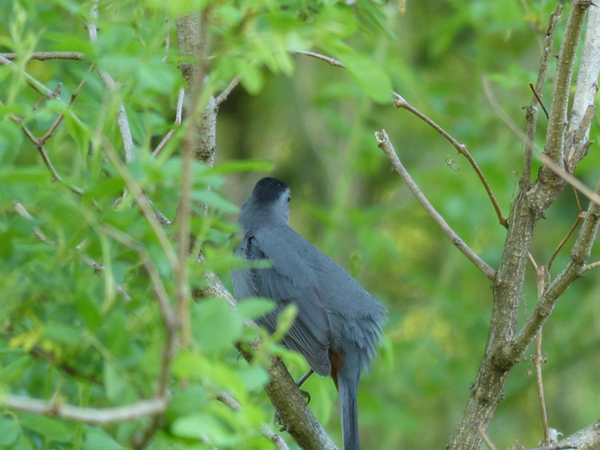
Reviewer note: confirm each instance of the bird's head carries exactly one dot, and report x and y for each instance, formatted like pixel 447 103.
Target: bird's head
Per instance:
pixel 268 203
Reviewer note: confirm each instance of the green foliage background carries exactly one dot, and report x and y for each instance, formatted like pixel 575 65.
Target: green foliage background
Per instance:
pixel 312 125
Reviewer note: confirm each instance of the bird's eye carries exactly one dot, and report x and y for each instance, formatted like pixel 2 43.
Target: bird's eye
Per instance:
pixel 289 198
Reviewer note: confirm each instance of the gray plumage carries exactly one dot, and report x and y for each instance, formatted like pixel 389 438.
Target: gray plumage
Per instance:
pixel 338 324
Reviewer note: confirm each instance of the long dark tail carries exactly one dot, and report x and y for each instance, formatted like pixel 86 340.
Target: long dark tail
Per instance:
pixel 347 381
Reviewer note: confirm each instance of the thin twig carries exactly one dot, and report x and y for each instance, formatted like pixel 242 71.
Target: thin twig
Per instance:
pixel 384 144
pixel 549 162
pixel 35 84
pixel 96 416
pixel 462 149
pixel 537 97
pixel 264 429
pixel 178 115
pixel 537 360
pixel 580 217
pixel 334 62
pixel 109 83
pixel 592 266
pixel 223 95
pixel 50 132
pixel 44 56
pixel 485 437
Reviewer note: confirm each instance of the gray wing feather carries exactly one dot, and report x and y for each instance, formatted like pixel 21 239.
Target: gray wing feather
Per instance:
pixel 288 281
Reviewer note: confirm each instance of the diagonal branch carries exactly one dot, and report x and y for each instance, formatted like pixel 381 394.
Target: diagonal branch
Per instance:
pixel 122 121
pixel 383 141
pixel 35 84
pixel 462 149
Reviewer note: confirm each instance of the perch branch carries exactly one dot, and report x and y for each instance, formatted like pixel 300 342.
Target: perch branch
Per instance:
pixel 384 143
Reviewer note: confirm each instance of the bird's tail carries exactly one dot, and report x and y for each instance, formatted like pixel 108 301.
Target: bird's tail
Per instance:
pixel 347 381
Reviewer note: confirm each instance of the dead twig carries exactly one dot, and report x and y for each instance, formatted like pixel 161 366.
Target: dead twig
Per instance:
pixel 383 141
pixel 462 149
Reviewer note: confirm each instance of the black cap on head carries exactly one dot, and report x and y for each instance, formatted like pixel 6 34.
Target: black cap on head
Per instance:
pixel 268 190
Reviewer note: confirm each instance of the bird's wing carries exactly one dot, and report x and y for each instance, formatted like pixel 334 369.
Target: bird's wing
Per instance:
pixel 290 280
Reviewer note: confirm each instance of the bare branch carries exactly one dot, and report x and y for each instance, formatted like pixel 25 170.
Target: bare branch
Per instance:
pixel 384 143
pixel 575 268
pixel 562 82
pixel 35 84
pixel 548 162
pixel 44 56
pixel 230 87
pixel 586 439
pixel 537 359
pixel 592 266
pixel 462 149
pixel 96 416
pixel 122 121
pixel 178 114
pixel 334 62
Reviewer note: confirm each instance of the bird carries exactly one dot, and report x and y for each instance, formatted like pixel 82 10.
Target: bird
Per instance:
pixel 338 324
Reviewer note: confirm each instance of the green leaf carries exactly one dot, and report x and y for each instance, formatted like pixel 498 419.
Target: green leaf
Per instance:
pixel 214 200
pixel 78 131
pixel 246 165
pixel 50 428
pixel 255 307
pixel 367 74
pixel 9 430
pixel 198 426
pixel 98 439
pixel 116 387
pixel 215 325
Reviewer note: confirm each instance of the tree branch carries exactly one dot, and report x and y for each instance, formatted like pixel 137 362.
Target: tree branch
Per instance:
pixel 462 149
pixel 44 56
pixel 384 143
pixel 95 416
pixel 562 81
pixel 35 84
pixel 528 207
pixel 532 111
pixel 110 84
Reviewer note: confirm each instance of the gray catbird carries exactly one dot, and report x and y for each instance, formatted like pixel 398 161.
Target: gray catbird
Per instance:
pixel 338 322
